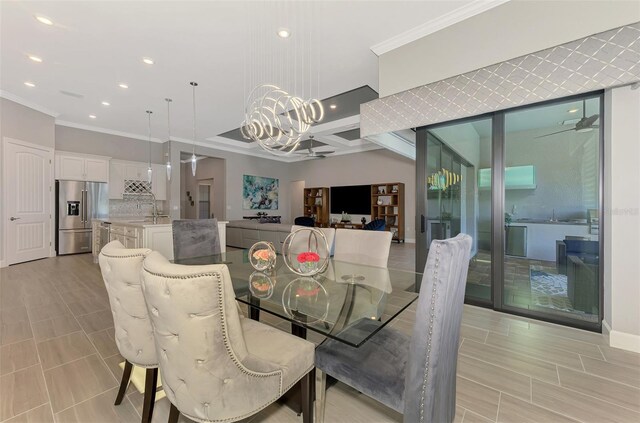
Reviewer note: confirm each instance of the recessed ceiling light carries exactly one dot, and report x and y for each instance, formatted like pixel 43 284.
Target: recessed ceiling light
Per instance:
pixel 572 110
pixel 106 103
pixel 92 116
pixel 44 20
pixel 35 58
pixel 148 60
pixel 30 84
pixel 332 106
pixel 123 86
pixel 284 33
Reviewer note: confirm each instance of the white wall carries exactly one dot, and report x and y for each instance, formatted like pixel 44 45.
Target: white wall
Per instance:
pixel 377 166
pixel 24 124
pixel 513 29
pixel 622 218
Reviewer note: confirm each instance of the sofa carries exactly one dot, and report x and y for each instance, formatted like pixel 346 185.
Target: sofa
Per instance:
pixel 244 233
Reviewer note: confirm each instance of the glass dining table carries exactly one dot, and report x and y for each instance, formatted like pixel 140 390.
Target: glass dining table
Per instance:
pixel 329 303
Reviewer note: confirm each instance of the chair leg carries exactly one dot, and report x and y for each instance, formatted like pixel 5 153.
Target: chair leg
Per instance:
pixel 173 414
pixel 126 375
pixel 321 393
pixel 150 382
pixel 307 401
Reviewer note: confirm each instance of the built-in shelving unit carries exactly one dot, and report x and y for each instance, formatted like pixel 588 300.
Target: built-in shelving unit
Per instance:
pixel 316 205
pixel 391 207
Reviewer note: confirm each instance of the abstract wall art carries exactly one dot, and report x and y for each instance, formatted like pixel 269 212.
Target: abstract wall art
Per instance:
pixel 259 193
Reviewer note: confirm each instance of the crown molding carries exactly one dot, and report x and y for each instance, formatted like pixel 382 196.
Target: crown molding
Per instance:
pixel 107 131
pixel 26 103
pixel 458 15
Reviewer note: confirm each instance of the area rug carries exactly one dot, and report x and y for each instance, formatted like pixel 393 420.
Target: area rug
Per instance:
pixel 549 289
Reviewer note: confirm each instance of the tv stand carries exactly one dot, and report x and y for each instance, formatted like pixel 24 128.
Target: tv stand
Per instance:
pixel 347 225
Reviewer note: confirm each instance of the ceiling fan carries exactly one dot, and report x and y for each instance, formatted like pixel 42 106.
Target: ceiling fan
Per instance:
pixel 583 125
pixel 312 154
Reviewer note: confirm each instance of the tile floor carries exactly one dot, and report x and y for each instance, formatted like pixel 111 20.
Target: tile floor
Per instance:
pixel 58 360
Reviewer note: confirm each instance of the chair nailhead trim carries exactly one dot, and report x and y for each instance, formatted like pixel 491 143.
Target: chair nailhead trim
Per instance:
pixel 431 316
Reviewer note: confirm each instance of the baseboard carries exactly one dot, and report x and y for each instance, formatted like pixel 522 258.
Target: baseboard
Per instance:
pixel 410 240
pixel 622 340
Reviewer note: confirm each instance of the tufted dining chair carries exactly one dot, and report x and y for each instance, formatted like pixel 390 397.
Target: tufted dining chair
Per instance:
pixel 195 238
pixel 216 365
pixel 120 269
pixel 415 376
pixel 363 247
pixel 301 243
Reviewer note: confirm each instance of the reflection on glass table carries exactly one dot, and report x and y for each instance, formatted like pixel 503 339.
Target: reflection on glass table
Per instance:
pixel 341 295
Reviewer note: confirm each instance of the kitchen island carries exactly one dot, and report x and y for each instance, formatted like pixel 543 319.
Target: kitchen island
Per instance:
pixel 140 232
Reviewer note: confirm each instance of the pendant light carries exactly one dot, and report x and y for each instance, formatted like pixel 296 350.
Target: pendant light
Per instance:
pixel 168 100
pixel 149 170
pixel 193 155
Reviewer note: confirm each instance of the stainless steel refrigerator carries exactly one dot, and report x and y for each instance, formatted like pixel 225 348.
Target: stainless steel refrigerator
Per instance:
pixel 77 203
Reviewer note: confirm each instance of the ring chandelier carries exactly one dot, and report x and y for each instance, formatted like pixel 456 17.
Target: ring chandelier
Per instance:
pixel 277 120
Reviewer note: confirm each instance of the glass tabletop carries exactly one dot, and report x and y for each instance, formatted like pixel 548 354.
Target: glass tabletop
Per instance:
pixel 334 303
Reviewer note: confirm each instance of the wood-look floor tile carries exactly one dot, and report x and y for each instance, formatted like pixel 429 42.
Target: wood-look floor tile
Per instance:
pixel 15 332
pixel 615 372
pixel 97 321
pixel 535 348
pixel 81 294
pixel 48 311
pixel 21 391
pixel 564 332
pixel 39 300
pixel 517 362
pixel 459 414
pixel 13 315
pixel 61 350
pixel 578 406
pixel 486 324
pixel 567 344
pixel 105 343
pixel 605 389
pixel 475 334
pixel 100 408
pixel 621 357
pixel 477 398
pixel 471 417
pixel 51 328
pixel 40 414
pixel 18 356
pixel 77 381
pixel 88 306
pixel 345 404
pixel 515 410
pixel 495 377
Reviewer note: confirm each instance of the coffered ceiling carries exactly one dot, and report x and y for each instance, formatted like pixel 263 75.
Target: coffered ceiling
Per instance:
pixel 94 46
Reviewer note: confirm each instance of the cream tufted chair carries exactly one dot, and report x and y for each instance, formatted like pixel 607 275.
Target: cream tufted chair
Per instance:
pixel 363 247
pixel 120 269
pixel 301 244
pixel 217 366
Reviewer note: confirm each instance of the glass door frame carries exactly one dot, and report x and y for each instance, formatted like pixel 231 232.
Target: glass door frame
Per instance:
pixel 498 209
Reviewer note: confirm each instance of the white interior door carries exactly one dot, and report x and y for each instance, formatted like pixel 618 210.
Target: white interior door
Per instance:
pixel 27 201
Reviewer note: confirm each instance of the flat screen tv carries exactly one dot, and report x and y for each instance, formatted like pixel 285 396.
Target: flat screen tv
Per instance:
pixel 352 199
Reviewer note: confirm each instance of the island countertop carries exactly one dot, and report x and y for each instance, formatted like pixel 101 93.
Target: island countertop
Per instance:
pixel 141 221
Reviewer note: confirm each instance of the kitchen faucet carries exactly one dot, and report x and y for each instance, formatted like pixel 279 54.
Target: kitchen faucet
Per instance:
pixel 153 203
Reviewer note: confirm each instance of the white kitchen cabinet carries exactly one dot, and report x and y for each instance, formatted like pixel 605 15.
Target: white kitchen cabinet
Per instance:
pixel 116 180
pixel 79 167
pixel 135 171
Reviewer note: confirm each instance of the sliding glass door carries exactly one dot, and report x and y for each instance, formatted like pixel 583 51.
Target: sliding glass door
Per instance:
pixel 534 221
pixel 455 199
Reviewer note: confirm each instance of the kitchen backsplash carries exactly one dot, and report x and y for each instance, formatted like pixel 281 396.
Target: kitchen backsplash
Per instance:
pixel 118 208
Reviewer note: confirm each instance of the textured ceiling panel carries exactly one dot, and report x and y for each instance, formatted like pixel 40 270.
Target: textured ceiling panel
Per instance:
pixel 603 60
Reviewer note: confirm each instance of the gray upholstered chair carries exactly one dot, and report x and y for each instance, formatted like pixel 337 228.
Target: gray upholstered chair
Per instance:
pixel 195 238
pixel 217 365
pixel 120 269
pixel 415 376
pixel 364 247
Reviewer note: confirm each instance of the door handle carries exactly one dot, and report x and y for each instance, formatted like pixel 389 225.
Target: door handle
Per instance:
pixel 84 206
pixel 421 223
pixel 13 218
